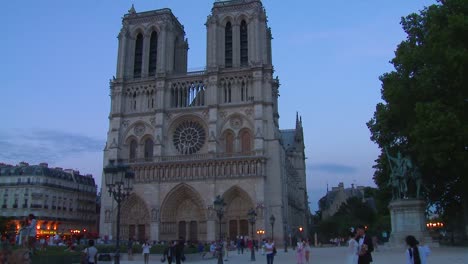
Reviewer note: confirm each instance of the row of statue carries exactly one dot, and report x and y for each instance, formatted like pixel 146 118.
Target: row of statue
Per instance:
pixel 404 173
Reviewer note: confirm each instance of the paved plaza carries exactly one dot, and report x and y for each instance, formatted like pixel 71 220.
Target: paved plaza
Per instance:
pixel 327 255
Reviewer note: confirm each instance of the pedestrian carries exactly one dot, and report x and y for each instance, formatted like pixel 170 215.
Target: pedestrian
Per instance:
pixel 169 252
pixel 416 254
pixel 24 233
pixel 353 248
pixel 146 251
pixel 226 249
pixel 269 249
pixel 90 253
pixel 307 251
pixel 238 245
pixel 179 251
pixel 130 249
pixel 32 232
pixel 300 258
pixel 365 246
pixel 242 244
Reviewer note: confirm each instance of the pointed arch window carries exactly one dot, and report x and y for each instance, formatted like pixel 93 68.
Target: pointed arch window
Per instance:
pixel 138 56
pixel 228 45
pixel 153 57
pixel 132 150
pixel 148 149
pixel 244 50
pixel 229 142
pixel 246 141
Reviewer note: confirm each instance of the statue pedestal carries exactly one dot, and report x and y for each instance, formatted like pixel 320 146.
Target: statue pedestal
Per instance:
pixel 408 218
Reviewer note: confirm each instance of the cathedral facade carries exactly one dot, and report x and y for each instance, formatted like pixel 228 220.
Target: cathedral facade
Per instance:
pixel 191 136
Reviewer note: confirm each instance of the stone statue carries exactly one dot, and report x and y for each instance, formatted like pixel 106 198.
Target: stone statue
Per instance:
pixel 402 173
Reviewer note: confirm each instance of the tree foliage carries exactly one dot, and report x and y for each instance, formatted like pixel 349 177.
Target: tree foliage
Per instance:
pixel 425 110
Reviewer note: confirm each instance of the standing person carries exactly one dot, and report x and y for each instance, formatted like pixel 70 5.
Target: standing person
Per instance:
pixel 179 251
pixel 353 248
pixel 32 233
pixel 365 246
pixel 226 249
pixel 300 253
pixel 307 251
pixel 169 252
pixel 130 249
pixel 91 252
pixel 238 245
pixel 24 233
pixel 415 254
pixel 242 244
pixel 269 246
pixel 146 251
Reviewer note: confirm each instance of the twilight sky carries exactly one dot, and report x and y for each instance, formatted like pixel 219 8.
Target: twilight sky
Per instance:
pixel 57 58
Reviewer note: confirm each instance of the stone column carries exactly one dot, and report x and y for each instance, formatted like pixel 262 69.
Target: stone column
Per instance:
pixel 145 55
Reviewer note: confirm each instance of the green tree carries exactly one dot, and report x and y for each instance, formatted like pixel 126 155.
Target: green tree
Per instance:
pixel 425 109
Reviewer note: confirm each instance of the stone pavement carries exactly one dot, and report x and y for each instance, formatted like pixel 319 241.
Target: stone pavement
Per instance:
pixel 326 255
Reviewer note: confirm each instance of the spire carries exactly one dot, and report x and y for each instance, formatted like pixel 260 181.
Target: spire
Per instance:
pixel 132 11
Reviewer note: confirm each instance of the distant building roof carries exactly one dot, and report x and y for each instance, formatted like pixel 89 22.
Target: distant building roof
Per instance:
pixel 24 169
pixel 287 136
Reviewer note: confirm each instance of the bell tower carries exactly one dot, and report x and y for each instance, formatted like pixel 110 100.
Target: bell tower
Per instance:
pixel 238 35
pixel 151 44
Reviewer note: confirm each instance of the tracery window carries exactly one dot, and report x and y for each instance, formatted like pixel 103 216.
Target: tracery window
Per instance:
pixel 133 150
pixel 148 149
pixel 228 45
pixel 227 93
pixel 244 44
pixel 229 142
pixel 153 57
pixel 138 56
pixel 246 141
pixel 189 137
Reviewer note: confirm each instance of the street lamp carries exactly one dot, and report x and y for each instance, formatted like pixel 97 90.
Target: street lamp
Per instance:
pixel 219 208
pixel 272 223
pixel 119 182
pixel 300 230
pixel 252 218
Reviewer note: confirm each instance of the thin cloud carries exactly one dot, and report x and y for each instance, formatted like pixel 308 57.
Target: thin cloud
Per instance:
pixel 36 146
pixel 334 168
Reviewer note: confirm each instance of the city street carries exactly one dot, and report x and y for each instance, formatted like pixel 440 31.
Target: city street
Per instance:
pixel 327 255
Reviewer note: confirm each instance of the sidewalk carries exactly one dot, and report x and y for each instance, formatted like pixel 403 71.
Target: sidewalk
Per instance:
pixel 332 255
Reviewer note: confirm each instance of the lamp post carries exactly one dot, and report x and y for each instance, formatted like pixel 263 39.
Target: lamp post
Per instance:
pixel 272 223
pixel 252 218
pixel 219 208
pixel 119 182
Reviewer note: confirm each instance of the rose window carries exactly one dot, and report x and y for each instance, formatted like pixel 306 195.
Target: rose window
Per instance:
pixel 189 137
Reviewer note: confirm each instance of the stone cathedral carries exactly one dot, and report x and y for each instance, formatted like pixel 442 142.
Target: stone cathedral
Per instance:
pixel 190 136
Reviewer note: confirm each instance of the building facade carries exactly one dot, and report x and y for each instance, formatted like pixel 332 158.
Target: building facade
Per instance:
pixel 332 201
pixel 190 136
pixel 61 200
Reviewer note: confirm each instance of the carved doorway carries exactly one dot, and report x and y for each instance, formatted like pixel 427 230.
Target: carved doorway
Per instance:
pixel 233 229
pixel 193 231
pixel 182 229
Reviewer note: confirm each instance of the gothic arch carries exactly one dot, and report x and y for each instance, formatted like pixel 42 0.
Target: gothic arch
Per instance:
pixel 246 140
pixel 183 214
pixel 238 202
pixel 228 139
pixel 152 28
pixel 224 20
pixel 176 197
pixel 130 131
pixel 228 123
pixel 135 219
pixel 238 19
pixel 138 30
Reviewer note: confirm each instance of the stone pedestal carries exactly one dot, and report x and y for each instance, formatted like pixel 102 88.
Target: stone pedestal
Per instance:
pixel 408 218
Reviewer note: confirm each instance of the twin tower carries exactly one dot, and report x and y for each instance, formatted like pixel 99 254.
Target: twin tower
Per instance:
pixel 153 44
pixel 192 136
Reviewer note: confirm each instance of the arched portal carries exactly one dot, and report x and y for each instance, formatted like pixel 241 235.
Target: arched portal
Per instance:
pixel 238 203
pixel 135 219
pixel 183 215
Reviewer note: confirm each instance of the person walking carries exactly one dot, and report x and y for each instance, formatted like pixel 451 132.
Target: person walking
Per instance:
pixel 32 232
pixel 130 249
pixel 146 251
pixel 415 253
pixel 300 255
pixel 179 251
pixel 91 252
pixel 307 251
pixel 269 249
pixel 169 252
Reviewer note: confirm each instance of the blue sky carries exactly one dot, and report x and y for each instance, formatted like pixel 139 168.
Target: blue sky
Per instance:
pixel 58 57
